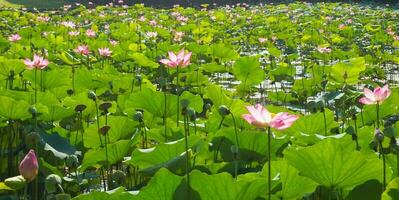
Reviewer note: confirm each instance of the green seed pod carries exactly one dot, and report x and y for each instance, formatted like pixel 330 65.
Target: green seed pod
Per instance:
pixel 223 110
pixel 378 136
pixel 32 139
pixel 33 110
pixel 138 116
pixel 72 161
pixel 16 182
pixel 52 183
pixel 92 95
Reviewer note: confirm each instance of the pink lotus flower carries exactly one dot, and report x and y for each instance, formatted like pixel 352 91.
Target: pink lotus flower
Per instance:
pixel 73 33
pixel 262 40
pixel 82 49
pixel 260 117
pixel 113 42
pixel 90 33
pixel 43 18
pixel 341 27
pixel 178 36
pixel 37 62
pixel 182 59
pixel 105 52
pixel 379 95
pixel 29 166
pixel 152 34
pixel 324 49
pixel 68 24
pixel 396 38
pixel 14 37
pixel 142 19
pixel 153 23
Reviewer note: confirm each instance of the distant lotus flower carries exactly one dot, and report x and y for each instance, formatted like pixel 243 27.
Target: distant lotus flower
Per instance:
pixel 67 7
pixel 105 52
pixel 29 166
pixel 262 40
pixel 120 1
pixel 90 33
pixel 260 117
pixel 396 38
pixel 324 49
pixel 142 19
pixel 82 49
pixel 274 38
pixel 68 24
pixel 113 42
pixel 43 18
pixel 153 23
pixel 152 34
pixel 349 21
pixel 379 95
pixel 37 62
pixel 14 38
pixel 341 26
pixel 73 33
pixel 328 18
pixel 182 59
pixel 178 36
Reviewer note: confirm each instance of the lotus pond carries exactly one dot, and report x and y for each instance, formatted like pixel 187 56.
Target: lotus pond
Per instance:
pixel 290 101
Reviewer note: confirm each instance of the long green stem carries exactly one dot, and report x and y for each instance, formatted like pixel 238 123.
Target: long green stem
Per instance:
pixel 269 163
pixel 381 148
pixel 187 156
pixel 35 85
pixel 178 96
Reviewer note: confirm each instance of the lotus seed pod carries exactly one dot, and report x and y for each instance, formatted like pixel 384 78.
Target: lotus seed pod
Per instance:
pixel 92 95
pixel 138 116
pixel 223 110
pixel 32 139
pixel 16 182
pixel 80 108
pixel 33 110
pixel 105 106
pixel 52 182
pixel 234 149
pixel 70 92
pixel 208 106
pixel 72 161
pixel 191 113
pixel 104 130
pixel 184 103
pixel 378 136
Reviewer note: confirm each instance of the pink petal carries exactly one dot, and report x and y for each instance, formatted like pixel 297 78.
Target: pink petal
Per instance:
pixel 369 94
pixel 366 101
pixel 180 55
pixel 255 112
pixel 172 56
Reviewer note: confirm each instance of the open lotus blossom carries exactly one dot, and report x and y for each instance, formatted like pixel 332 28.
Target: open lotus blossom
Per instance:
pixel 262 40
pixel 14 38
pixel 29 166
pixel 37 62
pixel 178 36
pixel 105 52
pixel 182 59
pixel 73 33
pixel 262 118
pixel 152 34
pixel 82 49
pixel 341 27
pixel 379 95
pixel 324 49
pixel 113 42
pixel 90 33
pixel 153 23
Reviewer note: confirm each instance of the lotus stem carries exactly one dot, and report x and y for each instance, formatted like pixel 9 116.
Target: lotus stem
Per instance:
pixel 269 163
pixel 186 130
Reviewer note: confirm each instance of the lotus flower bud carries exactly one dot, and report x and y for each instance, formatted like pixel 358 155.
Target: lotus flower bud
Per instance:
pixel 92 95
pixel 105 106
pixel 29 166
pixel 72 161
pixel 223 110
pixel 16 182
pixel 378 136
pixel 52 183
